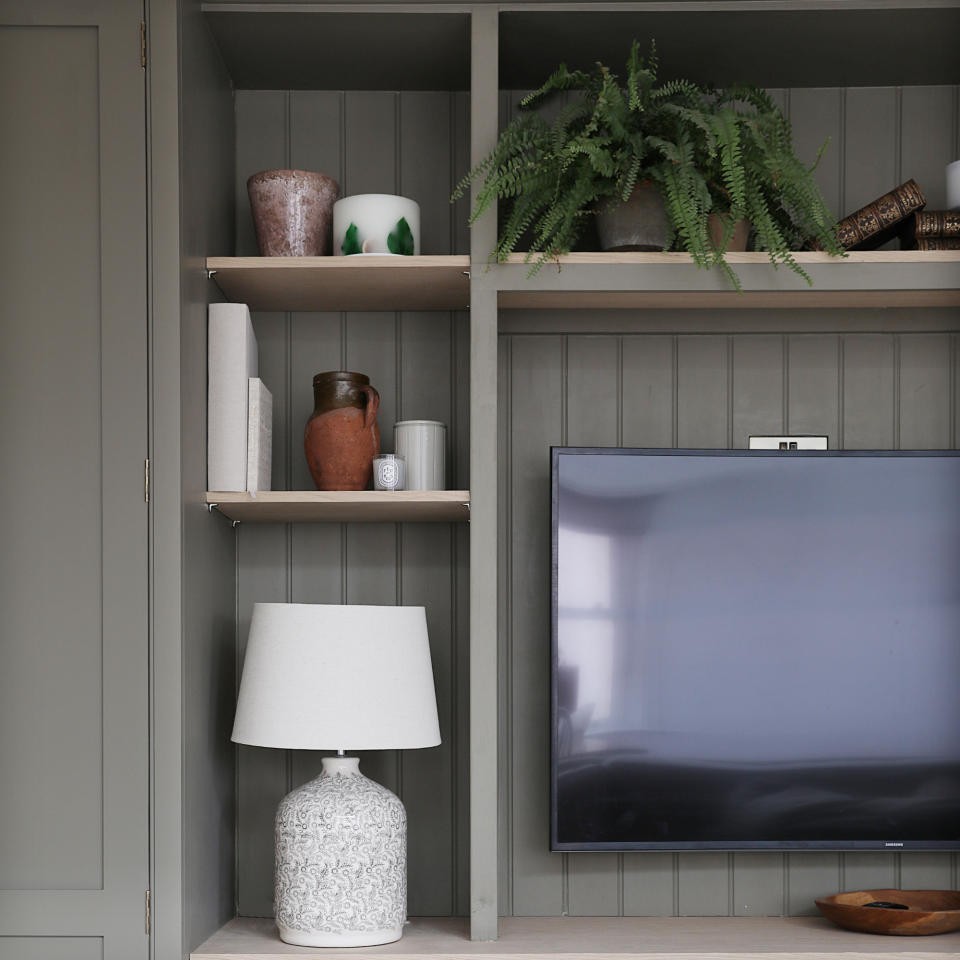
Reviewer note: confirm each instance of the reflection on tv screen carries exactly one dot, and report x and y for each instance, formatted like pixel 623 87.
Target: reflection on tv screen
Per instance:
pixel 756 650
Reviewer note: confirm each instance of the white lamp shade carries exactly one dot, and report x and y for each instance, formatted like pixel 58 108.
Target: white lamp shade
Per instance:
pixel 330 677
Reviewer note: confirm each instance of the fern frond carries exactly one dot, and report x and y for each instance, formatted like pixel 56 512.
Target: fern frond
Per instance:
pixel 561 79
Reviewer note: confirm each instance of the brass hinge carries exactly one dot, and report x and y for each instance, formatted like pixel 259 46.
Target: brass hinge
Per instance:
pixel 146 481
pixel 146 912
pixel 143 43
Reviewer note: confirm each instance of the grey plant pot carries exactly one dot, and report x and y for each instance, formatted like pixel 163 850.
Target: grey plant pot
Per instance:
pixel 638 224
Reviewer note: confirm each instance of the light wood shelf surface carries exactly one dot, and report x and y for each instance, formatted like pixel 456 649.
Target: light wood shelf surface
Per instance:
pixel 882 278
pixel 344 506
pixel 344 283
pixel 599 938
pixel 886 278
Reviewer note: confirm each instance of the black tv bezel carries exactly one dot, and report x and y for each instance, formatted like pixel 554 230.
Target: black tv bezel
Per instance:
pixel 893 845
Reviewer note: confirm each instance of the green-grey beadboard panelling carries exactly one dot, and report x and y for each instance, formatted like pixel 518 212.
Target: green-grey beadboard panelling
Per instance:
pixel 886 389
pixel 417 144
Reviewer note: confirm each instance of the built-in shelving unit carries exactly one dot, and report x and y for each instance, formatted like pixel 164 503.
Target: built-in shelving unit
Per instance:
pixel 344 506
pixel 598 938
pixel 895 278
pixel 307 54
pixel 344 283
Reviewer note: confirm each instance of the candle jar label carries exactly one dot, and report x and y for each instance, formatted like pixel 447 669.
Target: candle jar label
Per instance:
pixel 388 472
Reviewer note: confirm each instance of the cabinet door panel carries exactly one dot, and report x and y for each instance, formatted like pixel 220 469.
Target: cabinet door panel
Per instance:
pixel 73 422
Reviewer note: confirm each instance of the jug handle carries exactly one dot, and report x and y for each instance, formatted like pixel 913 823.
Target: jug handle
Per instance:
pixel 373 405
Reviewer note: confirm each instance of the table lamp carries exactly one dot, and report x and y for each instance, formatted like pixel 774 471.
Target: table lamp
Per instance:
pixel 328 677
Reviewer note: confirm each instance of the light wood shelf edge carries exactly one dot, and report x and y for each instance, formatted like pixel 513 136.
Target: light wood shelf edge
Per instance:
pixel 360 264
pixel 869 279
pixel 601 938
pixel 343 506
pixel 722 299
pixel 801 256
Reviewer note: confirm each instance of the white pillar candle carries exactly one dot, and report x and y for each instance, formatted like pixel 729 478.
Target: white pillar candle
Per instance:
pixel 379 223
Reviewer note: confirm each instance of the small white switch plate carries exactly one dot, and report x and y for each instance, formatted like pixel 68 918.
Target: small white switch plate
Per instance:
pixel 788 443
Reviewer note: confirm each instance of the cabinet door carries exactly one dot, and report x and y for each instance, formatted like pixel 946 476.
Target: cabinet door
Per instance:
pixel 73 521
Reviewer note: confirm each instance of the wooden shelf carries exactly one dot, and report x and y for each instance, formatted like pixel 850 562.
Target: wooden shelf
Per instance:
pixel 894 278
pixel 344 283
pixel 599 938
pixel 344 506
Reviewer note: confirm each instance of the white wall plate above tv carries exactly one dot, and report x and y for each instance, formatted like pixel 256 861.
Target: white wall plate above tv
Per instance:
pixel 788 443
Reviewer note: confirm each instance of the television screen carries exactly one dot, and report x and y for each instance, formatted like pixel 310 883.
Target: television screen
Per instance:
pixel 755 650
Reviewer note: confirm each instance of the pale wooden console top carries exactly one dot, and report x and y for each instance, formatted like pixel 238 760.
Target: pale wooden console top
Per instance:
pixel 601 938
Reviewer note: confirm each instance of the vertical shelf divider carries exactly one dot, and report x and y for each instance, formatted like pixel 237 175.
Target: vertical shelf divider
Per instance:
pixel 484 98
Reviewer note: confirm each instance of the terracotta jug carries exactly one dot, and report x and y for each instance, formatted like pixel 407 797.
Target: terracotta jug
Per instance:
pixel 342 437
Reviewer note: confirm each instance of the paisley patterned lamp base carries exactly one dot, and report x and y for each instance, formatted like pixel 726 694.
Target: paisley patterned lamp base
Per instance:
pixel 341 860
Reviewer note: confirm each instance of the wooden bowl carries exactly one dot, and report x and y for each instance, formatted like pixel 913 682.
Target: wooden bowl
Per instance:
pixel 927 911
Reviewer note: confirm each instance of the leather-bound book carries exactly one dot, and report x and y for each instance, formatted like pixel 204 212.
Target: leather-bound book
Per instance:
pixel 934 223
pixel 938 243
pixel 877 222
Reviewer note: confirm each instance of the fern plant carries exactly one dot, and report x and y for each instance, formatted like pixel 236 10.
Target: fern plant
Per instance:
pixel 752 172
pixel 726 152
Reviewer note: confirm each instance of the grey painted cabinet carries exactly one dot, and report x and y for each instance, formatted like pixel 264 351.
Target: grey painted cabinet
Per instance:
pixel 73 417
pixel 658 377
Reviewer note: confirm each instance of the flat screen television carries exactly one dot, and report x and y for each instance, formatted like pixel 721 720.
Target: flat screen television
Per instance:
pixel 755 650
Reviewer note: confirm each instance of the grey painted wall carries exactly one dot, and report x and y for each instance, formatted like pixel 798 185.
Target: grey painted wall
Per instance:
pixel 208 588
pixel 416 144
pixel 864 389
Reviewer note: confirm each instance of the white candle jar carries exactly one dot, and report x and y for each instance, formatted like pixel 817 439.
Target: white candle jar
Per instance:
pixel 389 472
pixel 422 444
pixel 379 223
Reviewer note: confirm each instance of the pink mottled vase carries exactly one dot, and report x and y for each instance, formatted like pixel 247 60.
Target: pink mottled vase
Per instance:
pixel 292 212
